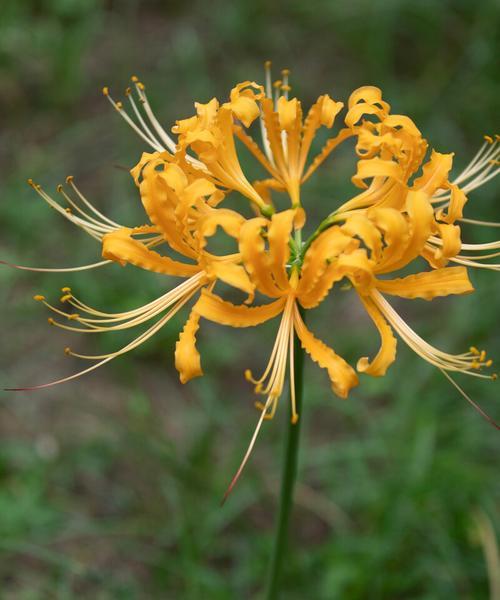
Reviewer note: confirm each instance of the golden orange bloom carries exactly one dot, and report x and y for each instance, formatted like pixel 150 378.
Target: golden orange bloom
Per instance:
pixel 408 207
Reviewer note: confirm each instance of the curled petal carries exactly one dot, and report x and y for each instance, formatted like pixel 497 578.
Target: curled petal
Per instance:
pixel 279 249
pixel 187 357
pixel 342 375
pixel 233 275
pixel 255 257
pixel 376 167
pixel 243 101
pixel 455 207
pixel 387 352
pixel 434 173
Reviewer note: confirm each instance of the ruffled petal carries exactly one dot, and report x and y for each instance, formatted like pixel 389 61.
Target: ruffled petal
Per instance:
pixel 450 246
pixel 327 246
pixel 429 285
pixel 376 167
pixel 387 352
pixel 421 222
pixel 187 357
pixel 455 207
pixel 232 274
pixel 342 375
pixel 364 228
pixel 255 257
pixel 278 236
pixel 121 247
pixel 434 173
pixel 212 307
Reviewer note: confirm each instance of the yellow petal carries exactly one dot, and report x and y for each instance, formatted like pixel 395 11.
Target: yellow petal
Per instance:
pixel 362 227
pixel 187 357
pixel 434 173
pixel 255 257
pixel 160 200
pixel 429 285
pixel 322 112
pixel 279 249
pixel 451 244
pixel 387 352
pixel 421 221
pixel 288 113
pixel 326 247
pixel 375 167
pixel 121 247
pixel 213 308
pixel 243 101
pixel 342 375
pixel 456 205
pixel 229 220
pixel 234 275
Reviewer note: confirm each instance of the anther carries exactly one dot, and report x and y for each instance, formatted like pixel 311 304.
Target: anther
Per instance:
pixel 482 356
pixel 286 88
pixel 30 182
pixel 119 105
pixel 494 377
pixel 285 72
pixel 39 298
pixel 489 139
pixel 128 91
pixel 141 86
pixel 488 363
pixel 105 90
pixel 67 351
pixel 474 350
pixel 134 78
pixel 65 298
pixel 66 289
pixel 475 365
pixel 68 210
pixel 50 321
pixel 294 419
pixel 59 188
pixel 69 178
pixel 277 83
pixel 267 64
pixel 74 317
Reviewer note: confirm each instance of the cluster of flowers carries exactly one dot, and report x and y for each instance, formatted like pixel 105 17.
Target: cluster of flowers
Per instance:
pixel 407 207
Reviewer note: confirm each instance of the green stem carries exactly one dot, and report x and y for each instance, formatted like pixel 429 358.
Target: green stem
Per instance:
pixel 288 478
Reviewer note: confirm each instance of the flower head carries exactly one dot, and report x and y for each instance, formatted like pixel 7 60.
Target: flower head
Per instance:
pixel 407 208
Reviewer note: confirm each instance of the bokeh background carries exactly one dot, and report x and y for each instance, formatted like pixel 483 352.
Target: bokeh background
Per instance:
pixel 110 485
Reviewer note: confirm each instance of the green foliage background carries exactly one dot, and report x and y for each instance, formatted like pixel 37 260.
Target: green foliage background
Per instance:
pixel 110 485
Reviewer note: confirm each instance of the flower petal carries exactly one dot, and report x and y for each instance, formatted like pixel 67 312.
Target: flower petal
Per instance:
pixel 434 173
pixel 213 308
pixel 121 247
pixel 187 357
pixel 387 352
pixel 342 375
pixel 255 257
pixel 429 285
pixel 234 275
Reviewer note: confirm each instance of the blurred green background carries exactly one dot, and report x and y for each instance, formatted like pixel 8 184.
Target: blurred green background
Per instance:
pixel 110 485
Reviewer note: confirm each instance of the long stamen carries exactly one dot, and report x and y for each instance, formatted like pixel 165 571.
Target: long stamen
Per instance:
pixel 130 346
pixel 59 270
pixel 248 452
pixel 118 106
pixel 470 400
pixel 465 363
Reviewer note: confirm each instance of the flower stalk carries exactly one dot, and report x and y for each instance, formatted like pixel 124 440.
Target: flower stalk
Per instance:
pixel 289 476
